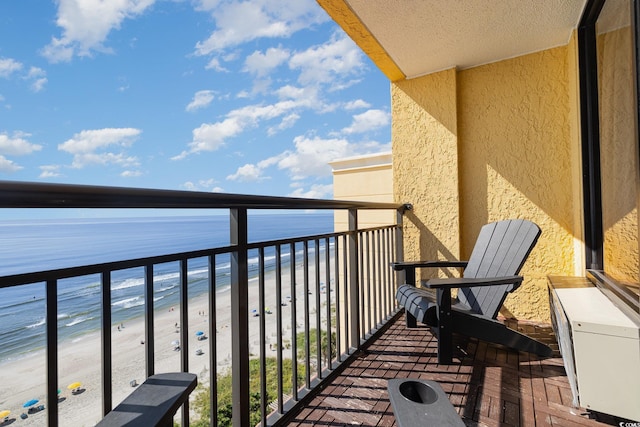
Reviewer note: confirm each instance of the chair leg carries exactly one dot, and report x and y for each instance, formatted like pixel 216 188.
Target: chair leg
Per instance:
pixel 445 331
pixel 410 320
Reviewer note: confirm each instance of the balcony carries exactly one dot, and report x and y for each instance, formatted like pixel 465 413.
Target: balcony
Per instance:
pixel 325 301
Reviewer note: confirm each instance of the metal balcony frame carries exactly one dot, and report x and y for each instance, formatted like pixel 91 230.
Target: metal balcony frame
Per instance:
pixel 60 196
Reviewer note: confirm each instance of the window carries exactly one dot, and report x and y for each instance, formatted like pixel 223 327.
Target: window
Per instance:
pixel 608 41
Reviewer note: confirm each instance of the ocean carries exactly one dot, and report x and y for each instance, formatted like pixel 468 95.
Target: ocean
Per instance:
pixel 29 246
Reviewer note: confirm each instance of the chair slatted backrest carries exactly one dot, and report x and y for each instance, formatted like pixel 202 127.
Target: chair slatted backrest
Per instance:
pixel 501 250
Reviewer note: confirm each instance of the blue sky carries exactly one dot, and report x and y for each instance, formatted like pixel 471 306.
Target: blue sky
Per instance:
pixel 250 97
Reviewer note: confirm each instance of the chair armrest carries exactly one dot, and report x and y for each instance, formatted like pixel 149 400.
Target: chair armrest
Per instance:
pixel 464 282
pixel 398 266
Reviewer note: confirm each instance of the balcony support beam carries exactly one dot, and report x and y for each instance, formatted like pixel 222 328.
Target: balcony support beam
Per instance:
pixel 353 280
pixel 107 368
pixel 239 318
pixel 52 350
pixel 149 345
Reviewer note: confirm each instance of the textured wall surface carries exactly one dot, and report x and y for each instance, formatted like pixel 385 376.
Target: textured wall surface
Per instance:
pixel 425 164
pixel 516 160
pixel 488 143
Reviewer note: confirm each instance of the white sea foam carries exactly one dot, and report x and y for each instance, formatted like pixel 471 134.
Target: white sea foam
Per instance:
pixel 39 323
pixel 129 302
pixel 78 320
pixel 128 283
pixel 165 288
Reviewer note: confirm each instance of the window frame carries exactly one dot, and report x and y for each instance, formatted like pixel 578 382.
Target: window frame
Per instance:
pixel 590 128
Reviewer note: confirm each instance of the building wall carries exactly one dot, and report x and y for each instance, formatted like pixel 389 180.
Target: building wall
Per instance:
pixel 493 142
pixel 364 178
pixel 424 137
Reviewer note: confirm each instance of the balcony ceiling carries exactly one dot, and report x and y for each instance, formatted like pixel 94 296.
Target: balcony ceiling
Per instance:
pixel 411 38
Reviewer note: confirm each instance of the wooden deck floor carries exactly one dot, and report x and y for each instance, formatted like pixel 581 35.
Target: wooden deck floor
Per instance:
pixel 487 384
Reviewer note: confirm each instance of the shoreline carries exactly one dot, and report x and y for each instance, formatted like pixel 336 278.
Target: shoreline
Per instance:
pixel 79 358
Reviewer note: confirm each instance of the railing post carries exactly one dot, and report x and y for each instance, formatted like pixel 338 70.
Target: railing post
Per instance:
pixel 52 351
pixel 149 343
pixel 399 244
pixel 107 387
pixel 354 298
pixel 239 318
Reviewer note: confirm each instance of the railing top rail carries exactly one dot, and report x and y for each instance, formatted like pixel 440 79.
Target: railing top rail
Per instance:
pixel 15 194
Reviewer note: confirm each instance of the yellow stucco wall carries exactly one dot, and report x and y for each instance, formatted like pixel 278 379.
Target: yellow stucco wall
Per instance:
pixel 425 164
pixel 488 143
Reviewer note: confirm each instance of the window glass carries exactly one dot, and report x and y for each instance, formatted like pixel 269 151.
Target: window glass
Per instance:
pixel 618 142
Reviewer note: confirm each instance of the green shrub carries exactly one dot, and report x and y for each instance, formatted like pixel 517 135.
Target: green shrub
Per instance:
pixel 201 407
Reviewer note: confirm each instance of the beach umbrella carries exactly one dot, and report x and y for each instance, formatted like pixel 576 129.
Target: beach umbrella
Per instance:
pixel 175 342
pixel 75 385
pixel 5 413
pixel 199 333
pixel 30 403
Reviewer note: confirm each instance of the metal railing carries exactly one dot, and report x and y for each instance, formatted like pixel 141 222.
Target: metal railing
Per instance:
pixel 339 291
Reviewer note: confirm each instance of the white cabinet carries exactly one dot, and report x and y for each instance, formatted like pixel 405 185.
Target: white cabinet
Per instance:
pixel 600 346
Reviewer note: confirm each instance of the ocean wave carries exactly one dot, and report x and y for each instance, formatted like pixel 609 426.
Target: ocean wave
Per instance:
pixel 203 272
pixel 166 277
pixel 39 323
pixel 79 320
pixel 164 289
pixel 223 266
pixel 128 283
pixel 129 302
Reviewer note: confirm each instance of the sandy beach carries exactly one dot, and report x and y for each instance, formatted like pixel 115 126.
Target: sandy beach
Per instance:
pixel 79 359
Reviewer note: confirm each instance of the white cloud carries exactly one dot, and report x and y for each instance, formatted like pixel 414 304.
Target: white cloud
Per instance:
pixel 87 23
pixel 261 64
pixel 312 155
pixel 286 123
pixel 214 64
pixel 356 105
pixel 337 59
pixel 317 191
pixel 9 66
pixel 38 78
pixel 130 174
pixel 50 171
pixel 367 121
pixel 238 22
pixel 7 166
pixel 88 147
pixel 201 99
pixel 310 158
pixel 212 136
pixel 247 173
pixel 203 185
pixel 17 145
